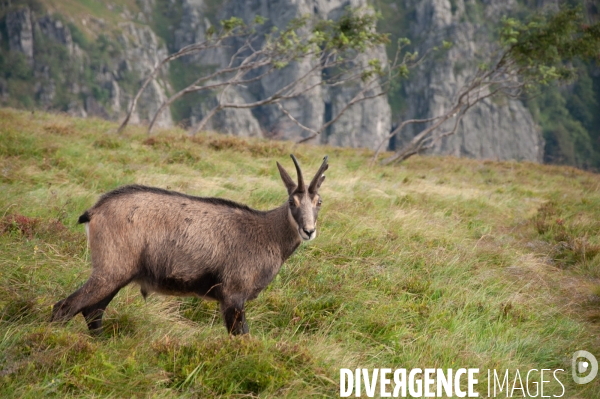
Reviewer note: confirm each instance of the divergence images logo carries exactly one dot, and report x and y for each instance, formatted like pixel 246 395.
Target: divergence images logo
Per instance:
pixel 579 367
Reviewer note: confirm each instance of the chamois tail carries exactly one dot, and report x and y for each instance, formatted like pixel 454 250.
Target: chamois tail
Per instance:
pixel 85 218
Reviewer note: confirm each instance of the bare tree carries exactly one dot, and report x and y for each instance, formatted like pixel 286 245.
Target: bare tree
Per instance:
pixel 338 51
pixel 528 54
pixel 502 78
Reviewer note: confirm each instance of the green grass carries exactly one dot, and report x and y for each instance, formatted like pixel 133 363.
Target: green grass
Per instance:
pixel 437 262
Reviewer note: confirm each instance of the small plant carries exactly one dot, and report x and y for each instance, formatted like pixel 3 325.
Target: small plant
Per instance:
pixel 20 225
pixel 568 246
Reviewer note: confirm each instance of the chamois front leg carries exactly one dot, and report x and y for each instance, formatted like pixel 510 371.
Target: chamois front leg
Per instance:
pixel 234 315
pixel 93 313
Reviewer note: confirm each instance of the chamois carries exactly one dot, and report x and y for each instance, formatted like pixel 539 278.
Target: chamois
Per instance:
pixel 177 244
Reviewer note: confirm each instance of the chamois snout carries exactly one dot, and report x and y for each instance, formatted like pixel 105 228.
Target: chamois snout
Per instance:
pixel 309 233
pixel 306 216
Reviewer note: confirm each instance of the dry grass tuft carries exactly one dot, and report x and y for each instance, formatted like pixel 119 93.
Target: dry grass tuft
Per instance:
pixel 60 129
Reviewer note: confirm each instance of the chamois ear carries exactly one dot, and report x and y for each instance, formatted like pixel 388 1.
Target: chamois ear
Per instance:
pixel 287 180
pixel 319 177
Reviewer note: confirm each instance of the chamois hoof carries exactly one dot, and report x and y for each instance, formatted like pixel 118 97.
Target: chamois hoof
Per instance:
pixel 59 312
pixel 96 332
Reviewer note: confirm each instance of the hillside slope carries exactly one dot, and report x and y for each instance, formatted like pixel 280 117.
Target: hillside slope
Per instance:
pixel 438 262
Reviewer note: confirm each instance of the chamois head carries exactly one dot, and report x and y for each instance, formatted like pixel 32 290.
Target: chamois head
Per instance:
pixel 304 202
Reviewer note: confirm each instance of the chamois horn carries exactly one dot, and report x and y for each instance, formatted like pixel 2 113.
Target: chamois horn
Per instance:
pixel 301 186
pixel 319 177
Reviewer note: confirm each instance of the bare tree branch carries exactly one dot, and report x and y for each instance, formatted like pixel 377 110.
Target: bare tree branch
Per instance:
pixel 286 112
pixel 197 47
pixel 396 131
pixel 471 93
pixel 336 61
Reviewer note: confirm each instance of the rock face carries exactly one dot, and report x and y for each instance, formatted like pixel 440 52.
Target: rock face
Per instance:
pixel 237 122
pixel 64 83
pixel 20 32
pixel 55 30
pixel 367 123
pixel 141 53
pixel 493 129
pixel 192 25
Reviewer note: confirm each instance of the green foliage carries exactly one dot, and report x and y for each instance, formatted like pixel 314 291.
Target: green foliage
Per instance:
pixel 582 102
pixel 182 74
pixel 543 46
pixel 394 19
pixel 78 36
pixel 232 23
pixel 354 30
pixel 374 68
pixel 259 20
pixel 563 115
pixel 14 66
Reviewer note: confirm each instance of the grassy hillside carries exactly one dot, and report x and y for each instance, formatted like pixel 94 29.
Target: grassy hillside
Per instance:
pixel 438 262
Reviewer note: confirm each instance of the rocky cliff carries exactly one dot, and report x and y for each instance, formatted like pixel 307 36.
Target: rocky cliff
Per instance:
pixel 497 128
pixel 85 77
pixel 87 65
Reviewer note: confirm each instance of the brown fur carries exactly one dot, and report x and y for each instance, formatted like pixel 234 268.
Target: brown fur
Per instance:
pixel 176 244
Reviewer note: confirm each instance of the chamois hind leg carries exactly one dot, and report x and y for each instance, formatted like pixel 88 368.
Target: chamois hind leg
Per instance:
pixel 93 314
pixel 235 316
pixel 97 291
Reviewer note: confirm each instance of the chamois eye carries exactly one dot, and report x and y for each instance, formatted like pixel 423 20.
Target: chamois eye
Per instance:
pixel 292 203
pixel 319 202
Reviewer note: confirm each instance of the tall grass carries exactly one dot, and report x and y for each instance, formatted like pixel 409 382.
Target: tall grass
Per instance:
pixel 438 262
